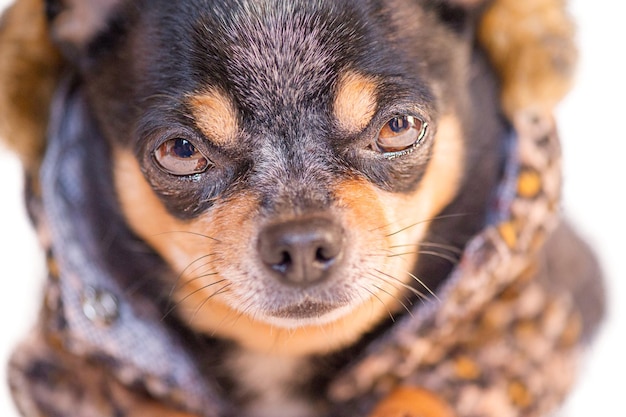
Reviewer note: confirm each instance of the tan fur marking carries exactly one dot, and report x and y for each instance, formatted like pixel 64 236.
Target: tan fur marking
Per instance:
pixel 355 102
pixel 215 116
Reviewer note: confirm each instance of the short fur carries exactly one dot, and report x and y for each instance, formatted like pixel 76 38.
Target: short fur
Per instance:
pixel 284 101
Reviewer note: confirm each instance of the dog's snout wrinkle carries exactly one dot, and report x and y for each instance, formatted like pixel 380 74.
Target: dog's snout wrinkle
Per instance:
pixel 302 252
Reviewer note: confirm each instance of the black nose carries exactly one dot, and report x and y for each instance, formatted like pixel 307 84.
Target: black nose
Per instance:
pixel 303 251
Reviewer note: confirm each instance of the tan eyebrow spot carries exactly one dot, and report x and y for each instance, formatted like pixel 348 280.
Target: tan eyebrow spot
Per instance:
pixel 215 116
pixel 355 101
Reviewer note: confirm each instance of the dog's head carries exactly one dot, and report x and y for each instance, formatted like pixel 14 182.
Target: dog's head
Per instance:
pixel 287 158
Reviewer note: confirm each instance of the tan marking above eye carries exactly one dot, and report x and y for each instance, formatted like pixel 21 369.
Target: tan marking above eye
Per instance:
pixel 355 101
pixel 216 116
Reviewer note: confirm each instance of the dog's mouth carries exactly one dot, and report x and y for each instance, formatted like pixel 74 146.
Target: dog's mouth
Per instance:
pixel 307 312
pixel 306 309
pixel 287 306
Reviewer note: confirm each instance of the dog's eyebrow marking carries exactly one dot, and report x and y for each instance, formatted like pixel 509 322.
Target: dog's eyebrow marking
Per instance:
pixel 215 116
pixel 355 101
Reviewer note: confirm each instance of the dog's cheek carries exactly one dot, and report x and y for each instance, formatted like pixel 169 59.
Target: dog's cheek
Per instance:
pixel 198 251
pixel 145 214
pixel 179 243
pixel 409 215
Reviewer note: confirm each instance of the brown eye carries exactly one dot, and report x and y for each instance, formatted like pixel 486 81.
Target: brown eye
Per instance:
pixel 180 157
pixel 400 133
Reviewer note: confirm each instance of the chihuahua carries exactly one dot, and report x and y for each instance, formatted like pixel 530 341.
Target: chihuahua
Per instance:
pixel 281 180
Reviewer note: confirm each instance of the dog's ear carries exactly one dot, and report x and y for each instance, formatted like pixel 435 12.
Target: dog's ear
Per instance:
pixel 75 24
pixel 530 43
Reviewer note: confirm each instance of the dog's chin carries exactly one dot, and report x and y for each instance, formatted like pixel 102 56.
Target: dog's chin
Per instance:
pixel 306 313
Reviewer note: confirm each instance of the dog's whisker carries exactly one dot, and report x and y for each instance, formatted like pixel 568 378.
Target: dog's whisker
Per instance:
pixel 444 216
pixel 196 278
pixel 453 260
pixel 401 254
pixel 217 328
pixel 426 287
pixel 189 233
pixel 381 301
pixel 392 295
pixel 244 311
pixel 193 271
pixel 182 273
pixel 450 248
pixel 160 96
pixel 221 290
pixel 172 308
pixel 404 285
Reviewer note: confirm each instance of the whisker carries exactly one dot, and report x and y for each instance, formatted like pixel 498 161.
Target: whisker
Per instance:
pixel 448 258
pixel 395 255
pixel 138 283
pixel 189 233
pixel 450 248
pixel 193 271
pixel 453 260
pixel 381 301
pixel 218 292
pixel 415 291
pixel 393 296
pixel 191 280
pixel 180 276
pixel 172 308
pixel 419 281
pixel 443 216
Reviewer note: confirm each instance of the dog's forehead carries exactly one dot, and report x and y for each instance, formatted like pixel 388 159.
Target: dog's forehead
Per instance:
pixel 266 51
pixel 277 51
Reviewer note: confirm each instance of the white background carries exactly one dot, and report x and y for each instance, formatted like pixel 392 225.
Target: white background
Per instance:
pixel 593 124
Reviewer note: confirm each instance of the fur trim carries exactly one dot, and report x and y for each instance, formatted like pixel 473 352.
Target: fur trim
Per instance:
pixel 531 45
pixel 29 71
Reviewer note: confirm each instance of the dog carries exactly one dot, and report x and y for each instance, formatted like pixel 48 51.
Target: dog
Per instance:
pixel 274 185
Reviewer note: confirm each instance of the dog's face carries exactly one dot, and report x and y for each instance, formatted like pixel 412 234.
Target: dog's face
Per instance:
pixel 285 158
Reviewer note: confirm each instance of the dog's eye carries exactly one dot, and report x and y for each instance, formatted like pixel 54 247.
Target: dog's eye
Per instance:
pixel 400 133
pixel 180 157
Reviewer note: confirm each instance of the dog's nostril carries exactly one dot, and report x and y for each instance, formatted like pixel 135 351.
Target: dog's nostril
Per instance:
pixel 284 264
pixel 303 251
pixel 328 250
